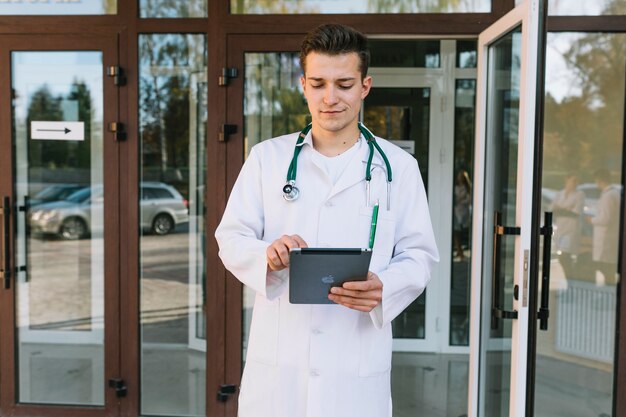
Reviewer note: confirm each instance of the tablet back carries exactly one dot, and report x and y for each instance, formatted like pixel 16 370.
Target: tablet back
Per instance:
pixel 313 271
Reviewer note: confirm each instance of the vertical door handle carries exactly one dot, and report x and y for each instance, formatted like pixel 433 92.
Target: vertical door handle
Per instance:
pixel 544 308
pixel 5 273
pixel 25 208
pixel 497 312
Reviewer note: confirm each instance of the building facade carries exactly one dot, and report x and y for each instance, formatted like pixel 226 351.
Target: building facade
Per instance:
pixel 124 124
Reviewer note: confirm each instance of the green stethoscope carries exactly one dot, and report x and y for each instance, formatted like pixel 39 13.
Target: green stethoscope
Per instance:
pixel 291 192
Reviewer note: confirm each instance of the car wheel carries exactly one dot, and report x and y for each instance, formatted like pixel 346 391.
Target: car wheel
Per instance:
pixel 73 228
pixel 162 224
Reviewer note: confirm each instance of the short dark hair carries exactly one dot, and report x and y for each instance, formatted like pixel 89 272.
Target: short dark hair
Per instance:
pixel 334 39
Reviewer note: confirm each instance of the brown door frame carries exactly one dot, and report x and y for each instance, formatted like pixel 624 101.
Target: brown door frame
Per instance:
pixel 108 44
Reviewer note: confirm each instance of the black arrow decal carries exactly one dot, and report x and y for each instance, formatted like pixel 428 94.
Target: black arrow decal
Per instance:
pixel 66 130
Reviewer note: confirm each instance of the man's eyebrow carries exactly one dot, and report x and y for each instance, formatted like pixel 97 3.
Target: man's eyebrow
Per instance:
pixel 339 80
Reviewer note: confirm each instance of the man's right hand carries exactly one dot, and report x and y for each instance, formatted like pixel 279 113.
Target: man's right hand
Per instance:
pixel 278 251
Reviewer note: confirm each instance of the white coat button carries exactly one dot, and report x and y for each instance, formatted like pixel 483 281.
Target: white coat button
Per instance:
pixel 329 204
pixel 314 372
pixel 316 331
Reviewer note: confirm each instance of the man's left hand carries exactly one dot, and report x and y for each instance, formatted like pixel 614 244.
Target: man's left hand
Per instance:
pixel 359 295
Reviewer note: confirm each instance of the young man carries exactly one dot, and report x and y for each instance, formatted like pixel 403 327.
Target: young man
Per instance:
pixel 326 360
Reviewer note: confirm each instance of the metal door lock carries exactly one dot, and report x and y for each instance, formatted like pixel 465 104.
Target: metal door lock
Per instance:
pixel 225 391
pixel 119 386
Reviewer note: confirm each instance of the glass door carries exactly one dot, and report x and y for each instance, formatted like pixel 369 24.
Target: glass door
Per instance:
pixel 60 289
pixel 505 140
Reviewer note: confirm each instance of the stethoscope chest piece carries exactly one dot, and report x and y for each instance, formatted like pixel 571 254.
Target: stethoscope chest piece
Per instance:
pixel 290 191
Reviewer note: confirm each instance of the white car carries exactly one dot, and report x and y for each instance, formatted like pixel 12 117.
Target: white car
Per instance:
pixel 162 208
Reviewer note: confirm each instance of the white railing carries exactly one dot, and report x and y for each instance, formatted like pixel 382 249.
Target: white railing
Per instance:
pixel 585 320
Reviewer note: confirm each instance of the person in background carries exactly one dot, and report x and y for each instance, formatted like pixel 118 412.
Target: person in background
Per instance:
pixel 567 207
pixel 606 228
pixel 326 360
pixel 462 202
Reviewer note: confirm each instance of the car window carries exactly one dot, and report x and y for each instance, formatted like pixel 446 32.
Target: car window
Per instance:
pixel 80 196
pixel 162 193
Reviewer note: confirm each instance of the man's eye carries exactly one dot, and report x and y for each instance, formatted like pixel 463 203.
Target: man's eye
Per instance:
pixel 317 85
pixel 346 87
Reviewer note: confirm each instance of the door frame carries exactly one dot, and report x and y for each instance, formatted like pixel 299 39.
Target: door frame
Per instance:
pixel 108 44
pixel 526 16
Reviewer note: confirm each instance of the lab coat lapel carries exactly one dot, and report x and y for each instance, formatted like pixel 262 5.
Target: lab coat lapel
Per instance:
pixel 355 171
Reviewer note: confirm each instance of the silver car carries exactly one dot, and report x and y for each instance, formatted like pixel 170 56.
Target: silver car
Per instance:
pixel 162 208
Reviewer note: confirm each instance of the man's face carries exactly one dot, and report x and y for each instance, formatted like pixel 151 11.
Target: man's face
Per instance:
pixel 334 91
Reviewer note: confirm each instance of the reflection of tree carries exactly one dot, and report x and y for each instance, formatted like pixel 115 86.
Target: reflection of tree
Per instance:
pixel 272 94
pixel 44 106
pixel 271 7
pixel 168 63
pixel 584 131
pixel 419 6
pixel 173 8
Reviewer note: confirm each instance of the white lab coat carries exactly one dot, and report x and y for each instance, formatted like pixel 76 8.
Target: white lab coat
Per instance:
pixel 323 360
pixel 606 226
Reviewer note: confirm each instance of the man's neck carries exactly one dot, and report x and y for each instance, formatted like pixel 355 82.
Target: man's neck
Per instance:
pixel 330 143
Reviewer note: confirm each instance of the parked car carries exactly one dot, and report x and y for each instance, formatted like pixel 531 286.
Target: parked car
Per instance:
pixel 162 208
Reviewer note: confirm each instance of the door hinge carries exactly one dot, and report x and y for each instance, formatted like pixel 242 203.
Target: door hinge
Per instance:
pixel 117 72
pixel 226 131
pixel 227 74
pixel 118 131
pixel 225 391
pixel 119 386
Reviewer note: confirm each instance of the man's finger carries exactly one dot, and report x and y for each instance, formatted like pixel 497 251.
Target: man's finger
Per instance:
pixel 300 241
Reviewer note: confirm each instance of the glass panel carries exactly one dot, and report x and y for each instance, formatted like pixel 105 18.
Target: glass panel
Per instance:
pixel 57 140
pixel 466 54
pixel 503 92
pixel 464 116
pixel 402 115
pixel 583 139
pixel 173 112
pixel 357 6
pixel 587 8
pixel 404 53
pixel 273 105
pixel 172 8
pixel 57 7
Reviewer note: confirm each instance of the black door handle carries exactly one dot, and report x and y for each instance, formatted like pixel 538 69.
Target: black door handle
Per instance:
pixel 25 209
pixel 497 312
pixel 544 308
pixel 5 273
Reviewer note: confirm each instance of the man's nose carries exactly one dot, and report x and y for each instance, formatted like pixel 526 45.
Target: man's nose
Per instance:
pixel 330 96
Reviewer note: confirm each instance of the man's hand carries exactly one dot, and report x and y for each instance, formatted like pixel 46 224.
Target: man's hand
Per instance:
pixel 278 252
pixel 359 295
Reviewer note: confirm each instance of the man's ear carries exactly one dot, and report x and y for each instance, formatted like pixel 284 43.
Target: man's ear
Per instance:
pixel 303 82
pixel 367 85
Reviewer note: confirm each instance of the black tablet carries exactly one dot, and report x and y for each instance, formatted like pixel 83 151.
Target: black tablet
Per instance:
pixel 314 271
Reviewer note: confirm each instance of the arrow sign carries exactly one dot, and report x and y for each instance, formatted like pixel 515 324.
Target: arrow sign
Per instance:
pixel 57 130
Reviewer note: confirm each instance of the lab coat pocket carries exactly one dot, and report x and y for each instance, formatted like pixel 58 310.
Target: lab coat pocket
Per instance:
pixel 263 340
pixel 375 348
pixel 384 239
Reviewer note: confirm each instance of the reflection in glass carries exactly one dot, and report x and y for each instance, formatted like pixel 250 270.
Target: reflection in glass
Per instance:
pixel 464 116
pixel 273 105
pixel 172 8
pixel 59 245
pixel 466 54
pixel 583 140
pixel 405 53
pixel 503 92
pixel 358 6
pixel 173 111
pixel 587 8
pixel 47 7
